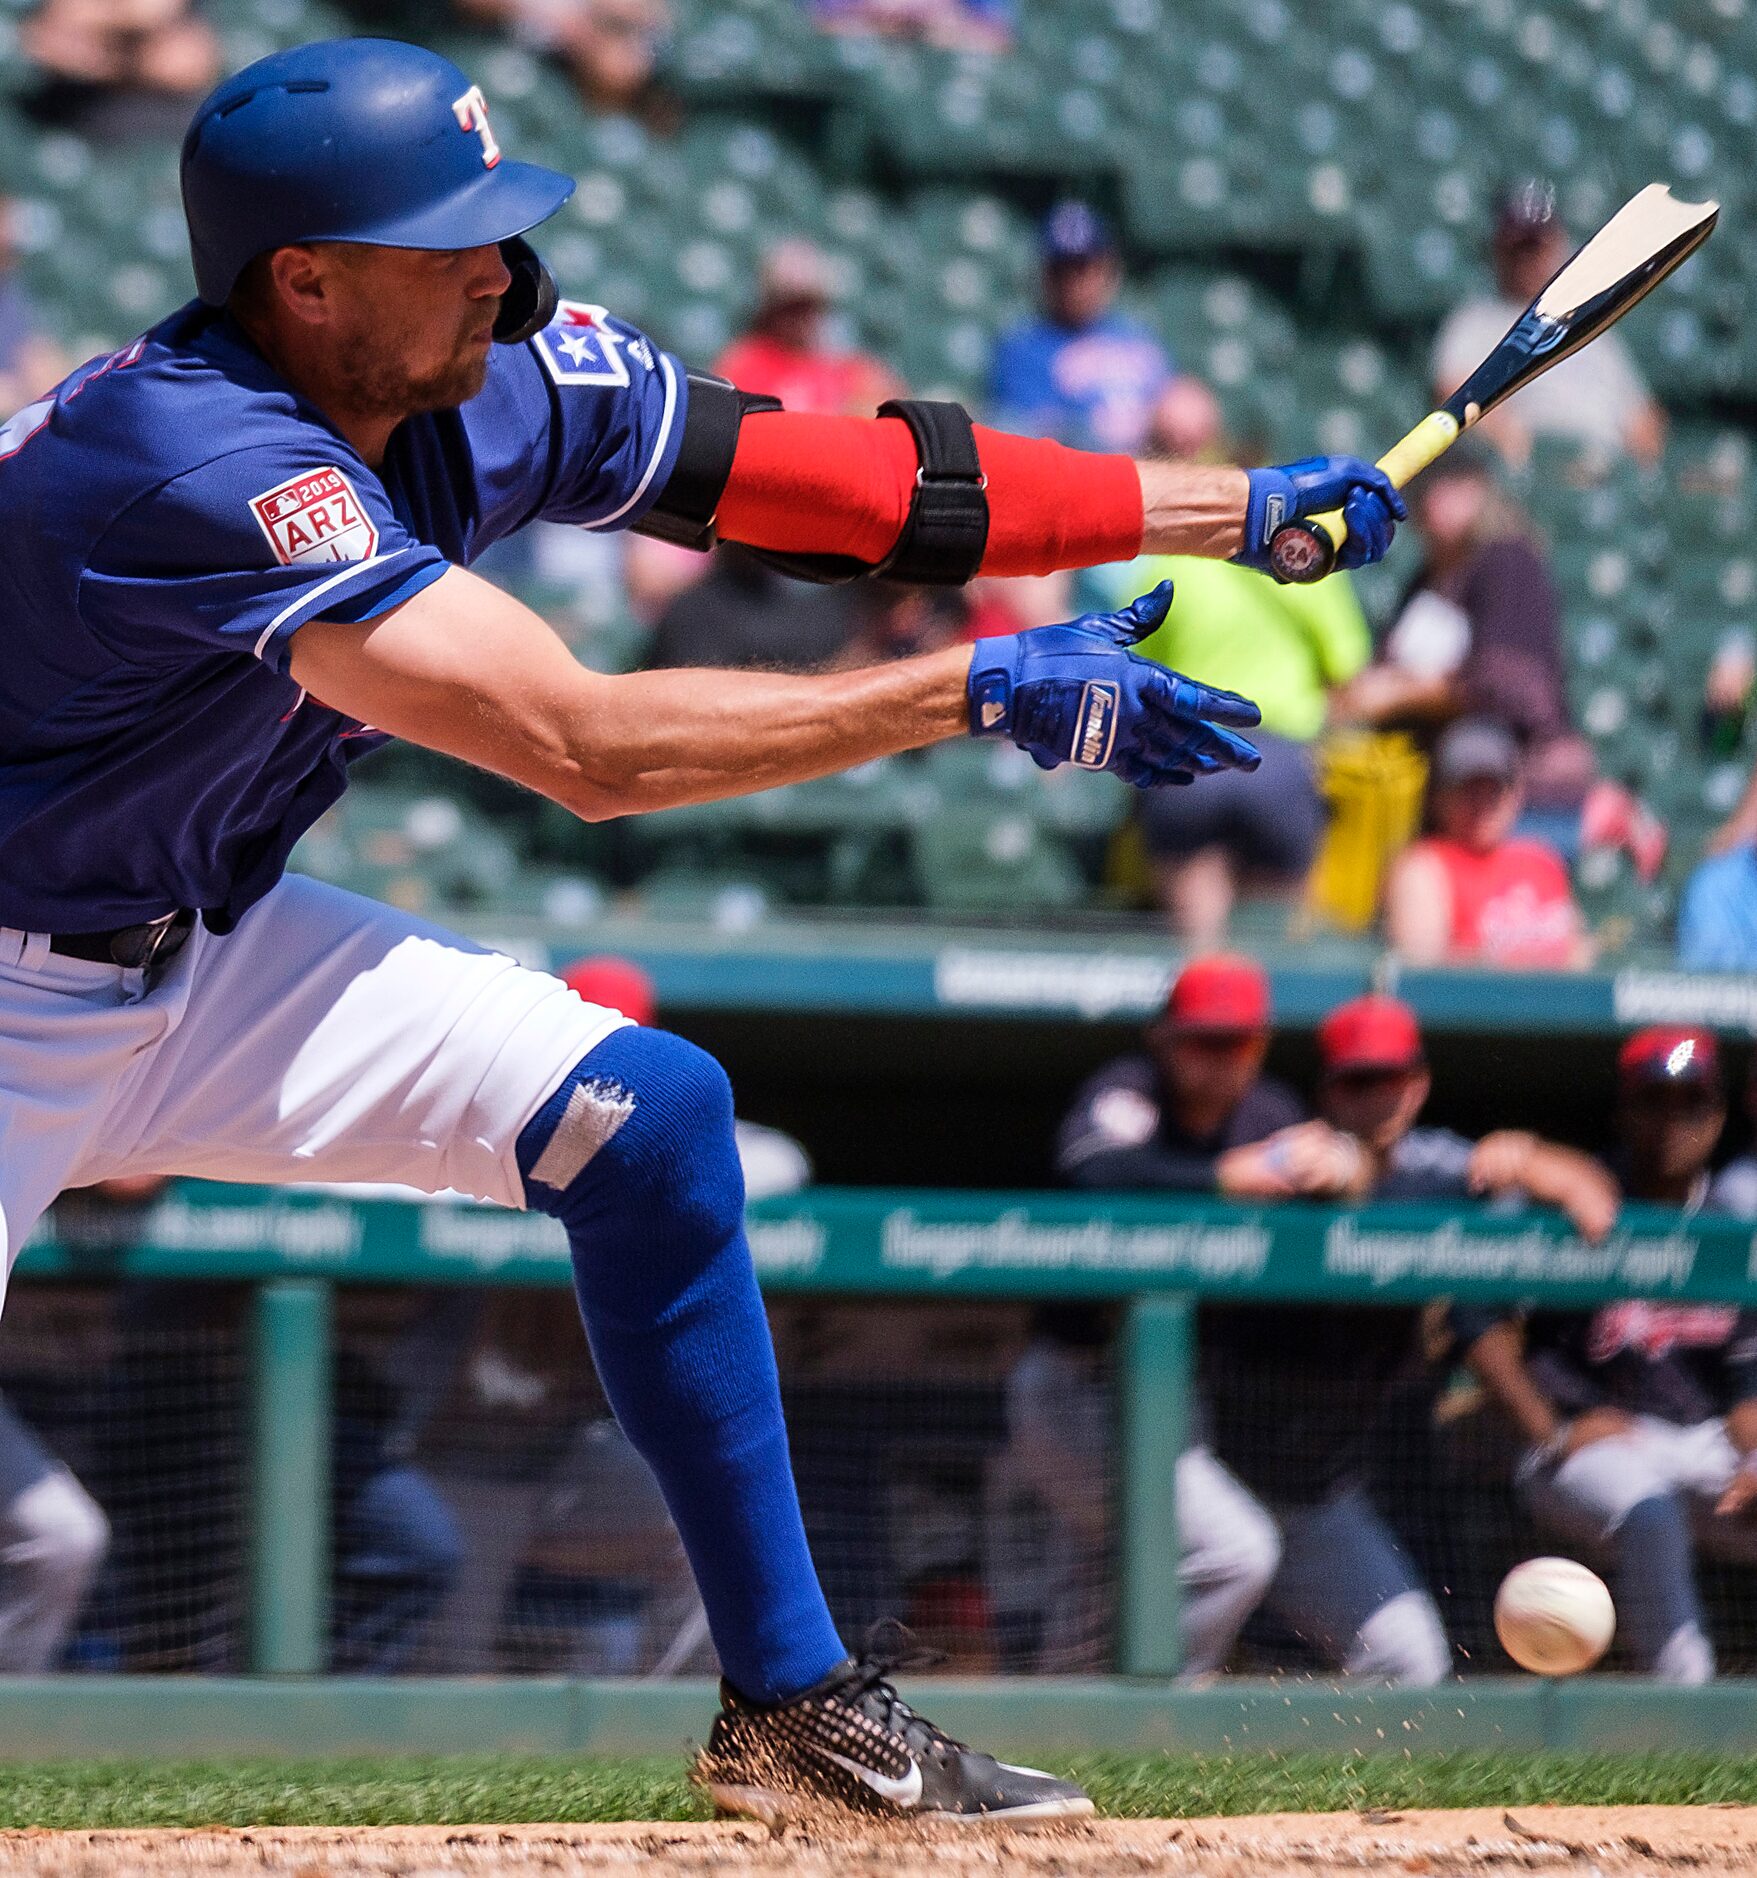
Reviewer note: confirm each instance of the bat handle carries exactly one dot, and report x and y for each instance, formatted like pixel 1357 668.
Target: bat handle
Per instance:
pixel 1305 550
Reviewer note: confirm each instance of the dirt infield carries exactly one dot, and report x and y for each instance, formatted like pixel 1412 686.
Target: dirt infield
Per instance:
pixel 1617 1842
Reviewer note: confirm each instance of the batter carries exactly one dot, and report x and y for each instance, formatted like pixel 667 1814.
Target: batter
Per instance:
pixel 237 556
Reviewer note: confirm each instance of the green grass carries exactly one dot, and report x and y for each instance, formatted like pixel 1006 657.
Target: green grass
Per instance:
pixel 506 1791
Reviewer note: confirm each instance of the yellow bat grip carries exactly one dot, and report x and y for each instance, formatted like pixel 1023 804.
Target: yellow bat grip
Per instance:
pixel 1406 459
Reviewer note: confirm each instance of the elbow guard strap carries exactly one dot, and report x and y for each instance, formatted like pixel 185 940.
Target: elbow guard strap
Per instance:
pixel 684 512
pixel 942 539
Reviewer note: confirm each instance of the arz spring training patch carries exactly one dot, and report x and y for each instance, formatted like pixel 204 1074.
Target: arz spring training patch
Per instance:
pixel 316 516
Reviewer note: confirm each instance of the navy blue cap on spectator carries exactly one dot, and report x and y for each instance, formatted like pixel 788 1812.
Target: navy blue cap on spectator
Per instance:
pixel 1073 231
pixel 1664 1055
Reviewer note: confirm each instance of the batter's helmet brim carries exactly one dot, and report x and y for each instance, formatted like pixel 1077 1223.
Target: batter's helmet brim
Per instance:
pixel 502 202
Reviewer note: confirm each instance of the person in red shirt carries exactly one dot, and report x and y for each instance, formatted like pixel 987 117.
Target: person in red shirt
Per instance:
pixel 786 354
pixel 1472 892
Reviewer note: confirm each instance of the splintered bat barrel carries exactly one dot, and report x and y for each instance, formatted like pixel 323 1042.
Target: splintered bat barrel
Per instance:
pixel 1641 244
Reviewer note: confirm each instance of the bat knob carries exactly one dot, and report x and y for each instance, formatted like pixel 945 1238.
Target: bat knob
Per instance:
pixel 1300 553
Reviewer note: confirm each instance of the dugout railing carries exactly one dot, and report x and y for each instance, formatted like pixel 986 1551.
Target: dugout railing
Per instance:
pixel 293 1249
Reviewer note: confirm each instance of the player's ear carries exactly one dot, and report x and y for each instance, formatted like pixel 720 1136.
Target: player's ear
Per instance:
pixel 299 279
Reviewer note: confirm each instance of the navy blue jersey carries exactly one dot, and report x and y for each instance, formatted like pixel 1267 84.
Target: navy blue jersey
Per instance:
pixel 174 513
pixel 1683 1363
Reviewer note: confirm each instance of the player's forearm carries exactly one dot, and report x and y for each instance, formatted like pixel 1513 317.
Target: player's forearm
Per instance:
pixel 657 740
pixel 467 670
pixel 803 483
pixel 1498 1359
pixel 1558 1176
pixel 1189 508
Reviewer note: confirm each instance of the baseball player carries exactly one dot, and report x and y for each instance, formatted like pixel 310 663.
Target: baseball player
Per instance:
pixel 1640 1418
pixel 237 558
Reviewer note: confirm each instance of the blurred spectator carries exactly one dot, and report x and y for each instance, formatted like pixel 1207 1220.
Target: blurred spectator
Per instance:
pixel 1080 371
pixel 898 622
pixel 1059 1435
pixel 1596 398
pixel 786 352
pixel 744 614
pixel 1734 1189
pixel 30 361
pixel 608 48
pixel 1287 648
pixel 115 70
pixel 1473 892
pixel 397 1547
pixel 1726 696
pixel 1374 1083
pixel 53 1537
pixel 1641 1418
pixel 1188 1113
pixel 955 25
pixel 1479 631
pixel 1187 422
pixel 1294 1394
pixel 1717 917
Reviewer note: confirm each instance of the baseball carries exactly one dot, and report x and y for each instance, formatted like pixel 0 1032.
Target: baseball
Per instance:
pixel 1554 1617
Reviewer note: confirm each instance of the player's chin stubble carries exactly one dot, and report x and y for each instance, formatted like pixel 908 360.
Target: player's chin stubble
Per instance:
pixel 385 387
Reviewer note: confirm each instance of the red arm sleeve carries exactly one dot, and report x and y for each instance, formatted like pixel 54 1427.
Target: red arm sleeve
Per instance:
pixel 801 483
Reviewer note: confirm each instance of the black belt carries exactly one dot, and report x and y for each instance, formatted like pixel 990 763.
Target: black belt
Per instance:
pixel 154 942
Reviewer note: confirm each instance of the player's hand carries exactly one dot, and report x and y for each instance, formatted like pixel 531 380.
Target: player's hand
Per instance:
pixel 1078 694
pixel 1741 1491
pixel 1499 1161
pixel 1315 485
pixel 1320 1161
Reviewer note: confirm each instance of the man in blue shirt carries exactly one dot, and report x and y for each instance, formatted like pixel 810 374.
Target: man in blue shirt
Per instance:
pixel 238 557
pixel 1717 921
pixel 1080 371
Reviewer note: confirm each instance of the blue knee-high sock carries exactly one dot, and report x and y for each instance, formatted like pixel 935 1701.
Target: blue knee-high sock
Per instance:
pixel 635 1155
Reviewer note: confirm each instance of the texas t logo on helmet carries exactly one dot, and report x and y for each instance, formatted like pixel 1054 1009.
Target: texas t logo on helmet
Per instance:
pixel 471 112
pixel 359 140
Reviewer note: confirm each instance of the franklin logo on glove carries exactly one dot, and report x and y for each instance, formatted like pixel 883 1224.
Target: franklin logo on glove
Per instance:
pixel 1080 694
pixel 1097 726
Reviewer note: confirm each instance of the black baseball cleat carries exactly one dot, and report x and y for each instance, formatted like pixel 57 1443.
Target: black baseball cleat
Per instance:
pixel 853 1742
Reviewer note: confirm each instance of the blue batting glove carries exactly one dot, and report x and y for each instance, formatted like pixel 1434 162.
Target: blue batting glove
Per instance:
pixel 1077 694
pixel 1314 485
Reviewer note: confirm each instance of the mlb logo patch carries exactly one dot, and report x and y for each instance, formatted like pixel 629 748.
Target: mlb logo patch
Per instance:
pixel 315 517
pixel 577 347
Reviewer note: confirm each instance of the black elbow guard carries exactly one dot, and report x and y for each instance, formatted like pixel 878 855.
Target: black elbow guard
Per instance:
pixel 941 542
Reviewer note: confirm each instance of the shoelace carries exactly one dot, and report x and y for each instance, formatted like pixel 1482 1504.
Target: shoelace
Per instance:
pixel 890 1646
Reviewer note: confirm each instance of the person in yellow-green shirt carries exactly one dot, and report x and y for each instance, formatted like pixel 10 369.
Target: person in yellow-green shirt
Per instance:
pixel 1288 648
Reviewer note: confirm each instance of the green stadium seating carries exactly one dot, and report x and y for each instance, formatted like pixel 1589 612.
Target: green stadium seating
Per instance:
pixel 1244 146
pixel 978 860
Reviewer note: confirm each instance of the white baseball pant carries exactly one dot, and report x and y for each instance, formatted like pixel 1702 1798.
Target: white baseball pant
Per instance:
pixel 1635 1499
pixel 327 1038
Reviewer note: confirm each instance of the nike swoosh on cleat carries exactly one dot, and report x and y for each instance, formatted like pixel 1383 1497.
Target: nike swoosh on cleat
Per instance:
pixel 901 1790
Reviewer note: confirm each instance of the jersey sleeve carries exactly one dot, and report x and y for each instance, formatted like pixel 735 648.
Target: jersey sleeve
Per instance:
pixel 237 554
pixel 581 424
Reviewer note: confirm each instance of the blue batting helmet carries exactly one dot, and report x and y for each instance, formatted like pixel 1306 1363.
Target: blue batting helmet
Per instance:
pixel 366 140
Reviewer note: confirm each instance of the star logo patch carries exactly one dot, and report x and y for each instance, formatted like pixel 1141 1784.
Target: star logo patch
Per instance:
pixel 577 347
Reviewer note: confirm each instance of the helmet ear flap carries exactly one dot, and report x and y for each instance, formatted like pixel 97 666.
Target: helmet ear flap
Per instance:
pixel 529 303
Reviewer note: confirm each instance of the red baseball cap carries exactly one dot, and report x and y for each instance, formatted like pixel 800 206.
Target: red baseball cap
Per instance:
pixel 1370 1033
pixel 1665 1054
pixel 1222 993
pixel 617 984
